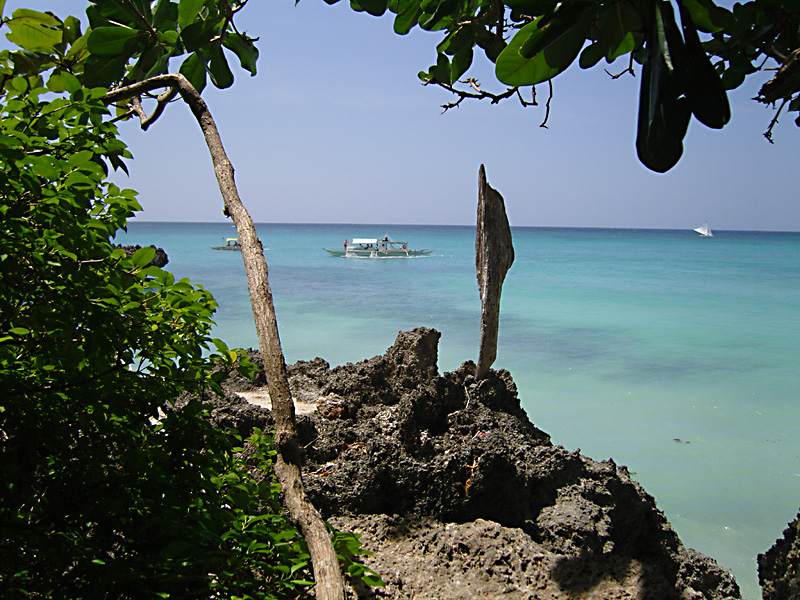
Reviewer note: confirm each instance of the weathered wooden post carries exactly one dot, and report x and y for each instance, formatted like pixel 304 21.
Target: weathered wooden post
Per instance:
pixel 494 255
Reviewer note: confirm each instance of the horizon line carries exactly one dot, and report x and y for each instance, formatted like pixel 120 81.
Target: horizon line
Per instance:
pixel 593 227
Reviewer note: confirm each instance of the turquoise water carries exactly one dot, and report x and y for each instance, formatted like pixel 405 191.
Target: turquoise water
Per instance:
pixel 620 341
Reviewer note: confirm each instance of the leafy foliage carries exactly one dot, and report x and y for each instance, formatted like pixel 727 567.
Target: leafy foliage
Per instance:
pixel 108 489
pixel 533 41
pixel 133 40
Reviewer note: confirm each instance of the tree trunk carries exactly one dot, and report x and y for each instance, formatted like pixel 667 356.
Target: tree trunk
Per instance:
pixel 494 254
pixel 328 577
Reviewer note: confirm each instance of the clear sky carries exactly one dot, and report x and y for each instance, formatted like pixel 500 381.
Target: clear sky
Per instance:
pixel 336 128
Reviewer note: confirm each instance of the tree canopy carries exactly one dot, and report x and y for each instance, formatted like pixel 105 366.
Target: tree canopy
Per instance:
pixel 111 488
pixel 531 42
pixel 108 489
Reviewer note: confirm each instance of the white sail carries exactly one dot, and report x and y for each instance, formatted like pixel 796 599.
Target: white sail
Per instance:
pixel 704 230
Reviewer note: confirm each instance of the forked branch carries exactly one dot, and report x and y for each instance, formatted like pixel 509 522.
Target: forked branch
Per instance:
pixel 477 93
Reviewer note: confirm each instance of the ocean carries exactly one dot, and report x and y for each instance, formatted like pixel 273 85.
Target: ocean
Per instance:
pixel 675 355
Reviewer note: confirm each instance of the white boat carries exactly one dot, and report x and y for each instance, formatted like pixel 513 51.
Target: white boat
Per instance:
pixel 704 230
pixel 230 244
pixel 375 248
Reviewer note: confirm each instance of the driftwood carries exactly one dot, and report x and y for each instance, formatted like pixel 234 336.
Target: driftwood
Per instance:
pixel 328 577
pixel 494 254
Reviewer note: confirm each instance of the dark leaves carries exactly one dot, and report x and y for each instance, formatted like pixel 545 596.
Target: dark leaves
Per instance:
pixel 677 81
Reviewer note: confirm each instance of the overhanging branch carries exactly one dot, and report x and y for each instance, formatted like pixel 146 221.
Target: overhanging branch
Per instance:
pixel 478 93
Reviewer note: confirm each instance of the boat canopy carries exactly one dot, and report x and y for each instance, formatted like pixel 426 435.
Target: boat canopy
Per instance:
pixel 229 240
pixel 363 241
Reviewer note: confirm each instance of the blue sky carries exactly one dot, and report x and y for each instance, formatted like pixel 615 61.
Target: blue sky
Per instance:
pixel 336 128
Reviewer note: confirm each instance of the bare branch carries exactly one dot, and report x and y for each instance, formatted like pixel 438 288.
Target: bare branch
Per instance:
pixel 136 108
pixel 547 105
pixel 774 121
pixel 479 93
pixel 628 70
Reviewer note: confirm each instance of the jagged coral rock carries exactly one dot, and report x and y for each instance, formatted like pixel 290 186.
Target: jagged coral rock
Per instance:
pixel 459 495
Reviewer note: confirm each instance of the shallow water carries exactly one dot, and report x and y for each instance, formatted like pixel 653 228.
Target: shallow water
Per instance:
pixel 676 355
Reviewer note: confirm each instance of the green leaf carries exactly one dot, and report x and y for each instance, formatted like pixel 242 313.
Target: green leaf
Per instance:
pixel 514 69
pixel 102 72
pixel 591 55
pixel 244 49
pixel 78 50
pixel 707 16
pixel 197 36
pixel 443 10
pixel 80 158
pixel 532 7
pixel 188 10
pixel 704 89
pixel 373 7
pixel 54 83
pixel 218 69
pixel 441 70
pixel 143 256
pixel 34 31
pixel 461 62
pixel 70 82
pixel 194 69
pixel 169 38
pixel 46 166
pixel 220 345
pixel 72 29
pixel 663 113
pixel 114 41
pixel 732 78
pixel 407 17
pixel 550 29
pixel 620 30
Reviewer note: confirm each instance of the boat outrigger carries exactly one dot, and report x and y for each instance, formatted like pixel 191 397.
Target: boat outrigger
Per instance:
pixel 375 248
pixel 230 244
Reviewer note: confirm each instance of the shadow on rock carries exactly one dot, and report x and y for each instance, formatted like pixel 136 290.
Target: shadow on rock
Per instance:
pixel 779 567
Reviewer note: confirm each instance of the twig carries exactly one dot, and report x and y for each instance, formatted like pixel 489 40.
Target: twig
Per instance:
pixel 479 93
pixel 620 74
pixel 774 121
pixel 547 105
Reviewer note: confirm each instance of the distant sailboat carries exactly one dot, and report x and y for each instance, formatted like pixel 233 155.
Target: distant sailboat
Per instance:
pixel 704 230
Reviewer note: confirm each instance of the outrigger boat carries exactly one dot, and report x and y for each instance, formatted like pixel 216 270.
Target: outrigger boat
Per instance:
pixel 375 248
pixel 230 244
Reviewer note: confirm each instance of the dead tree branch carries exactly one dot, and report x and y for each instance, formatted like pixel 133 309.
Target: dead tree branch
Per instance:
pixel 547 105
pixel 329 583
pixel 479 93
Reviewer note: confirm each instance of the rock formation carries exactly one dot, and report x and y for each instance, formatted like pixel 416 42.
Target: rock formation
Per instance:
pixel 779 567
pixel 159 260
pixel 458 495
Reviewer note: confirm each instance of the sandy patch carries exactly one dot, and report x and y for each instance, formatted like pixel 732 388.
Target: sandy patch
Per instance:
pixel 260 397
